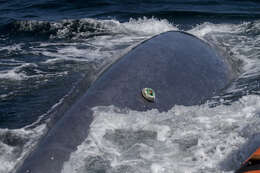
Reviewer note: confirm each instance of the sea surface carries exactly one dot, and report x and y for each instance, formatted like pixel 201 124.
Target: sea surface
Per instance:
pixel 51 51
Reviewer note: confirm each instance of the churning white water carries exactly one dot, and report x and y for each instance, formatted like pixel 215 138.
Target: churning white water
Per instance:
pixel 184 139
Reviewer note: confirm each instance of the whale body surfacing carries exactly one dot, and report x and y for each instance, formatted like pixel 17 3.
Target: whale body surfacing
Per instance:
pixel 179 67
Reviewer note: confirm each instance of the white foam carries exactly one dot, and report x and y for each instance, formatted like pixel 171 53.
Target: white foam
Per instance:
pixel 118 38
pixel 115 38
pixel 156 168
pixel 12 74
pixel 148 26
pixel 4 95
pixel 141 26
pixel 240 43
pixel 209 28
pixel 184 139
pixel 16 144
pixel 235 40
pixel 12 48
pixel 121 37
pixel 17 73
pixel 188 139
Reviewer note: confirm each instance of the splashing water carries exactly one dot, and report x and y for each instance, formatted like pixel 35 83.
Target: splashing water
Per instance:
pixel 184 139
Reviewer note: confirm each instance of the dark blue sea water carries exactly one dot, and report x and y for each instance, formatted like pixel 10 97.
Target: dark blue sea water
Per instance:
pixel 49 47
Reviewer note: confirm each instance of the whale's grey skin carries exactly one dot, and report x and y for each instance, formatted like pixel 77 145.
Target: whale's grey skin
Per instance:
pixel 181 68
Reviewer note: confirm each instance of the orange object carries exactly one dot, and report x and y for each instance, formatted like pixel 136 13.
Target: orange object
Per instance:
pixel 252 164
pixel 255 155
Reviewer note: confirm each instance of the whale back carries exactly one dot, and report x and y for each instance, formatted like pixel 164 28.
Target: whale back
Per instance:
pixel 180 68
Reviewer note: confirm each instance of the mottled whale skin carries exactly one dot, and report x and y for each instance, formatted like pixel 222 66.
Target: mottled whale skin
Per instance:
pixel 181 69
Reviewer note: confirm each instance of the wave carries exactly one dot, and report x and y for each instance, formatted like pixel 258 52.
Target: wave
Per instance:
pixel 103 9
pixel 86 28
pixel 72 44
pixel 82 41
pixel 240 42
pixel 16 144
pixel 184 139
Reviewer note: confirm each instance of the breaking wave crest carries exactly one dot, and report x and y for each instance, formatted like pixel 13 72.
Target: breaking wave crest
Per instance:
pixel 85 28
pixel 241 44
pixel 73 46
pixel 16 144
pixel 184 139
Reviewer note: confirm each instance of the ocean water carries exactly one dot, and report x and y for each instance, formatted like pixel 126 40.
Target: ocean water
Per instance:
pixel 51 51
